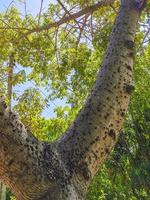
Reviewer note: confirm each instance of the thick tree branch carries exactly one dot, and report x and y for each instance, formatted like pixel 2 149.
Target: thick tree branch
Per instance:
pixel 74 16
pixel 20 156
pixel 30 168
pixel 94 133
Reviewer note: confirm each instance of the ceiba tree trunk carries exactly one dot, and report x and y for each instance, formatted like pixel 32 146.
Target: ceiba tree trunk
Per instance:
pixel 62 170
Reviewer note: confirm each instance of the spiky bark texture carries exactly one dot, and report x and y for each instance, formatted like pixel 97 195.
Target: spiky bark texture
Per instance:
pixel 62 170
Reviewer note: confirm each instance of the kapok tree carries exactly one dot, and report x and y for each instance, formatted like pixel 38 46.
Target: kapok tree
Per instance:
pixel 33 169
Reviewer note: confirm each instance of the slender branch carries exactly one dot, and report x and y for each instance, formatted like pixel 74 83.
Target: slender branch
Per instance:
pixel 40 12
pixel 9 6
pixel 55 47
pixel 25 8
pixel 10 79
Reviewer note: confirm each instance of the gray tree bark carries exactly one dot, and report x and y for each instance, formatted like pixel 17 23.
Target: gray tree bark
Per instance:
pixel 62 170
